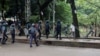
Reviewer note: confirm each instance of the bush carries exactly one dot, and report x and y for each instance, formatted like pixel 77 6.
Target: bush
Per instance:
pixel 34 19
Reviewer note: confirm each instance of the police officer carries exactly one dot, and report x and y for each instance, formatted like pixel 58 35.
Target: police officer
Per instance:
pixel 0 27
pixel 4 31
pixel 58 30
pixel 28 25
pixel 19 25
pixel 39 29
pixel 47 28
pixel 33 34
pixel 0 32
pixel 19 29
pixel 12 31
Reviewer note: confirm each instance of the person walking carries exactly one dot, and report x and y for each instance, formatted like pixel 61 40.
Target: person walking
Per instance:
pixel 1 32
pixel 72 30
pixel 4 31
pixel 47 29
pixel 28 25
pixel 26 29
pixel 12 31
pixel 33 35
pixel 39 28
pixel 91 31
pixel 58 30
pixel 26 32
pixel 0 27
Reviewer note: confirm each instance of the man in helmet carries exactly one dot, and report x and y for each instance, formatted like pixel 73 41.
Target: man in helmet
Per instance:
pixel 47 28
pixel 33 34
pixel 58 30
pixel 39 29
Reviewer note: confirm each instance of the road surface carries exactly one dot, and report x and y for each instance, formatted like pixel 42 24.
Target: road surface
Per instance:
pixel 19 49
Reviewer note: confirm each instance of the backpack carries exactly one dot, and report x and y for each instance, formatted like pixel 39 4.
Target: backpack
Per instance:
pixel 32 30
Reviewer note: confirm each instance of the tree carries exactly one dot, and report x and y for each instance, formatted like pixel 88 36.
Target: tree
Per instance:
pixel 63 12
pixel 75 20
pixel 4 6
pixel 42 7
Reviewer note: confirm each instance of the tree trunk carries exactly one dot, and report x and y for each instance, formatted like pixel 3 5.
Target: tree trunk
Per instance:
pixel 3 2
pixel 2 15
pixel 96 27
pixel 42 7
pixel 75 20
pixel 39 10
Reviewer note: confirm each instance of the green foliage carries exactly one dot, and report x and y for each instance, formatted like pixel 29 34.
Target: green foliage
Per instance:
pixel 88 11
pixel 6 5
pixel 42 2
pixel 34 18
pixel 63 11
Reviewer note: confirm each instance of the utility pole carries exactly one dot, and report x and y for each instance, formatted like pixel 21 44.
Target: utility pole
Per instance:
pixel 54 11
pixel 75 20
pixel 27 10
pixel 54 2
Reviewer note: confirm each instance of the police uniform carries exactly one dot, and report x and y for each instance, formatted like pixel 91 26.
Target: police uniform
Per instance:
pixel 58 30
pixel 0 27
pixel 12 30
pixel 47 28
pixel 33 32
pixel 0 32
pixel 39 30
pixel 28 25
pixel 4 31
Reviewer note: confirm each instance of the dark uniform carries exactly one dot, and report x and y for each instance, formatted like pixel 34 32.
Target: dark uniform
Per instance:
pixel 58 30
pixel 0 32
pixel 39 30
pixel 12 30
pixel 47 29
pixel 0 27
pixel 4 31
pixel 19 25
pixel 19 29
pixel 32 33
pixel 28 25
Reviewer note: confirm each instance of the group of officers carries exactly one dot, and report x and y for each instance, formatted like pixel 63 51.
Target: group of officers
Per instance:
pixel 34 31
pixel 3 32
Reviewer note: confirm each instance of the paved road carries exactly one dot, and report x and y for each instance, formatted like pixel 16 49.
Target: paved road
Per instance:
pixel 19 49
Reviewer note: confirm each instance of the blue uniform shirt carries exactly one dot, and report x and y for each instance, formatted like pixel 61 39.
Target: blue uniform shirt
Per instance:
pixel 12 29
pixel 32 30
